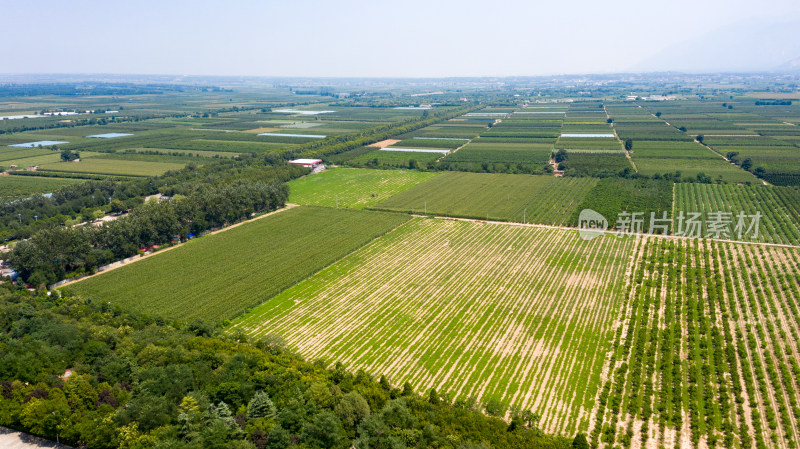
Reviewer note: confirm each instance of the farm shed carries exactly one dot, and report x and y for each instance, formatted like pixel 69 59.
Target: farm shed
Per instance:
pixel 309 163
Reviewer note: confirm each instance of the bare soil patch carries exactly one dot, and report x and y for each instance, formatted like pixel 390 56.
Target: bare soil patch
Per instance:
pixel 384 143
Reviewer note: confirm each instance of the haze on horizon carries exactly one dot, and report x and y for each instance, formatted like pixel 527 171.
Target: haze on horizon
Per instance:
pixel 396 39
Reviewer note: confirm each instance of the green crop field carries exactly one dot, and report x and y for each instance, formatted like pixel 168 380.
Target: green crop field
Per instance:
pixel 10 153
pixel 225 145
pixel 707 350
pixel 517 314
pixel 779 208
pixel 672 149
pixel 580 163
pixel 353 187
pixel 112 167
pixel 532 198
pixel 430 143
pixel 690 168
pixel 217 277
pixel 614 195
pixel 22 186
pixel 479 151
pixel 371 157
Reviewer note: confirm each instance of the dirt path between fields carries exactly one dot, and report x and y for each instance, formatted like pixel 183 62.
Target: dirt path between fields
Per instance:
pixel 132 259
pixel 384 143
pixel 627 153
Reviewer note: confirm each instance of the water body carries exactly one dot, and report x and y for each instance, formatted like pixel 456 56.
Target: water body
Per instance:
pixel 486 114
pixel 108 135
pixel 414 150
pixel 40 143
pixel 297 111
pixel 309 136
pixel 413 108
pixel 17 117
pixel 587 135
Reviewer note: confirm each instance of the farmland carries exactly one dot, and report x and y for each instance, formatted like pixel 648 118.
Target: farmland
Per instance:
pixel 351 187
pixel 21 186
pixel 438 247
pixel 534 199
pixel 532 332
pixel 153 138
pixel 580 163
pixel 612 196
pixel 217 277
pixel 707 352
pixel 480 152
pixel 779 208
pixel 716 169
pixel 112 167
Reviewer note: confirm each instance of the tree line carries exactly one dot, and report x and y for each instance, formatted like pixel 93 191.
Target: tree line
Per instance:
pixel 21 219
pixel 137 382
pixel 60 251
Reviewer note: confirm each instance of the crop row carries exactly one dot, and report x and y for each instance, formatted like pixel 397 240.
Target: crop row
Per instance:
pixel 778 209
pixel 706 355
pixel 533 199
pixel 217 277
pixel 518 315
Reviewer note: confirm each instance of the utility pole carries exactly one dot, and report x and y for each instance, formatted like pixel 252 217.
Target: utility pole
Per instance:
pixel 426 207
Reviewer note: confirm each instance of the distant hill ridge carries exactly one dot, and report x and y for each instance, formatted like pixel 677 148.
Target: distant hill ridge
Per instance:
pixel 789 66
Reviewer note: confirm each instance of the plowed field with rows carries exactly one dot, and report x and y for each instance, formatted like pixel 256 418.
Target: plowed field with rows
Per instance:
pixel 509 313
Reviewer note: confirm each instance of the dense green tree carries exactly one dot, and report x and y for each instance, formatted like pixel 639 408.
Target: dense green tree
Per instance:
pixel 433 397
pixel 580 442
pixel 260 406
pixel 373 433
pixel 279 438
pixel 496 407
pixel 319 394
pixel 351 409
pixel 138 382
pixel 561 155
pixel 324 430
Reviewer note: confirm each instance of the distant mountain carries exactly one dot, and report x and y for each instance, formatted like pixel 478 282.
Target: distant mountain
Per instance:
pixel 741 47
pixel 789 66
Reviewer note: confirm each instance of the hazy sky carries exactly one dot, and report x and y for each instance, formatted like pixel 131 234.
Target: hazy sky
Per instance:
pixel 359 38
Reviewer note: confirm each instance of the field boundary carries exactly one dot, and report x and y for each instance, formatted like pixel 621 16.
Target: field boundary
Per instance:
pixel 608 231
pixel 132 259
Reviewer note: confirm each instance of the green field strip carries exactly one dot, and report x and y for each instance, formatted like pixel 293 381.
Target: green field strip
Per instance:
pixel 353 187
pixel 221 275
